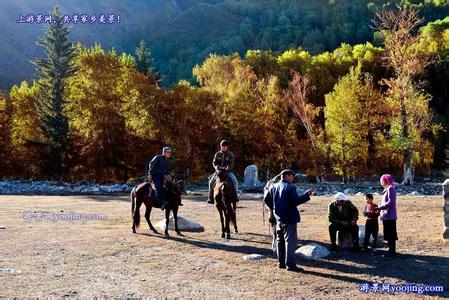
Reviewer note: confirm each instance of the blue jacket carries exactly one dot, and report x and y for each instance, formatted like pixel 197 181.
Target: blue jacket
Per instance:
pixel 284 199
pixel 159 166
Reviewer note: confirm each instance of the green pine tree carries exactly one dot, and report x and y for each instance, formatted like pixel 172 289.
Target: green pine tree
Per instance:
pixel 51 71
pixel 145 62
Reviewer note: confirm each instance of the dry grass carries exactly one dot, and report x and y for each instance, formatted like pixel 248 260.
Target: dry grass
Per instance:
pixel 103 258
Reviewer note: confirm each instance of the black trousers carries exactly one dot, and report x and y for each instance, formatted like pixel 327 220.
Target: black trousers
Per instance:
pixel 390 234
pixel 352 229
pixel 371 229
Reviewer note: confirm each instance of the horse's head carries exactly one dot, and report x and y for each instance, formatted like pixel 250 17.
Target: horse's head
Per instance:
pixel 175 191
pixel 224 183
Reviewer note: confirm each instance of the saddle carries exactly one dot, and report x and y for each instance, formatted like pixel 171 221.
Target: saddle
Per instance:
pixel 148 187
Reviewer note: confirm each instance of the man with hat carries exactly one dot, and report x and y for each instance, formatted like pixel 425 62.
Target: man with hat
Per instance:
pixel 343 216
pixel 159 174
pixel 223 160
pixel 283 199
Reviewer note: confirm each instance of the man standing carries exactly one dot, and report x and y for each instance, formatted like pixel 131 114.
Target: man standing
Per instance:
pixel 343 216
pixel 223 160
pixel 159 174
pixel 283 200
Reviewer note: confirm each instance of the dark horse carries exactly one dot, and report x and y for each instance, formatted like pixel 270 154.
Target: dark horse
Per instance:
pixel 225 202
pixel 144 193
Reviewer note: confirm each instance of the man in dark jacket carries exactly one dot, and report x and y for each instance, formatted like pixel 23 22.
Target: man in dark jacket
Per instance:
pixel 223 160
pixel 159 174
pixel 283 199
pixel 343 216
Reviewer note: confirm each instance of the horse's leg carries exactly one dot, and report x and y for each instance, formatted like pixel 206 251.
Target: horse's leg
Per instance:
pixel 234 216
pixel 137 202
pixel 147 216
pixel 167 220
pixel 228 220
pixel 175 218
pixel 220 211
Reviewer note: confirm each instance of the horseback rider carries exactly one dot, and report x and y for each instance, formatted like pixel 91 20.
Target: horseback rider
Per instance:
pixel 159 174
pixel 223 160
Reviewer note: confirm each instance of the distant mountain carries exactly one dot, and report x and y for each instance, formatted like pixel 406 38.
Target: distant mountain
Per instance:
pixel 181 33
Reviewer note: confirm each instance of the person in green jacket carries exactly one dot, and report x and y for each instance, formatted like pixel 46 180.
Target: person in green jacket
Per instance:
pixel 343 216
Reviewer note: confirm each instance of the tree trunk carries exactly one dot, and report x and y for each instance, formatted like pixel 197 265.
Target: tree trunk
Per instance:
pixel 407 157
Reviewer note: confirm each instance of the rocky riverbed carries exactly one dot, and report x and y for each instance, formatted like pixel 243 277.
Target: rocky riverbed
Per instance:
pixel 24 187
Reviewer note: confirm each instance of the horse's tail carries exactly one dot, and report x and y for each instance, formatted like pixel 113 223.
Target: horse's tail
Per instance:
pixel 233 213
pixel 135 212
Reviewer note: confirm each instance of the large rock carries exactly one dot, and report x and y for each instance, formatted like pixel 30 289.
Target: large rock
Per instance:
pixel 312 251
pixel 301 178
pixel 183 225
pixel 251 177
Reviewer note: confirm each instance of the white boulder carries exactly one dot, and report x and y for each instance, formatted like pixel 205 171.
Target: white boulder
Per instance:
pixel 312 251
pixel 254 257
pixel 183 225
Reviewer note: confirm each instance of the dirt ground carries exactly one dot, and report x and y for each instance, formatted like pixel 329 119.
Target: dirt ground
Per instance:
pixel 104 259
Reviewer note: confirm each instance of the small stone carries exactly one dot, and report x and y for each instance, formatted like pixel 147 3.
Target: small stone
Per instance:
pixel 11 271
pixel 254 257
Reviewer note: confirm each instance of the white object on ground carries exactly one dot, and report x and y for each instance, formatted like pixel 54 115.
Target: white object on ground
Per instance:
pixel 312 251
pixel 254 257
pixel 11 271
pixel 2 227
pixel 362 235
pixel 183 225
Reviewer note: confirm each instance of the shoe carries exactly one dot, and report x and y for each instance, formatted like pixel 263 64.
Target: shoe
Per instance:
pixel 180 204
pixel 210 201
pixel 333 248
pixel 281 266
pixel 295 269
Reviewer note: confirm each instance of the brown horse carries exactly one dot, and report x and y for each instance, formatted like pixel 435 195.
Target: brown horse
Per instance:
pixel 225 202
pixel 144 193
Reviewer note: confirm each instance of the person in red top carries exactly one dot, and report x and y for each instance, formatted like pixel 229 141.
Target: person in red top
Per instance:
pixel 371 213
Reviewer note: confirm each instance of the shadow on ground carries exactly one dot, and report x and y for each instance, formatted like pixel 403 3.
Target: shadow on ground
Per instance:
pixel 416 269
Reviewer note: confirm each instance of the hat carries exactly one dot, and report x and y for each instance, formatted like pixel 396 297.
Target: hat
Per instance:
pixel 166 149
pixel 341 197
pixel 287 172
pixel 224 143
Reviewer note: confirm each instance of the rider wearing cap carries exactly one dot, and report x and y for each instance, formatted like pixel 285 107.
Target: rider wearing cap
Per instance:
pixel 159 174
pixel 223 160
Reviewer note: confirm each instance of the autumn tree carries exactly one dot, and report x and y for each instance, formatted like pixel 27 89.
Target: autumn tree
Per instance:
pixel 52 71
pixel 28 145
pixel 297 97
pixel 411 106
pixel 354 115
pixel 5 133
pixel 95 109
pixel 249 110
